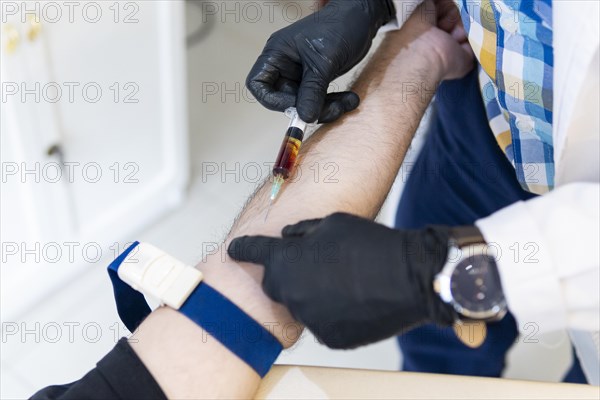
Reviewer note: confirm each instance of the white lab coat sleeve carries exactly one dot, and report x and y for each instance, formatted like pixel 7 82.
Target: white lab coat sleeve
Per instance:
pixel 404 9
pixel 548 258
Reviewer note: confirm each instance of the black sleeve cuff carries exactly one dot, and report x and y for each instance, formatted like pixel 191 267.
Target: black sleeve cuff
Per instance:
pixel 391 9
pixel 119 375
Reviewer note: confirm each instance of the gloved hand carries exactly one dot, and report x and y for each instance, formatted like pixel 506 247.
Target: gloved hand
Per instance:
pixel 349 280
pixel 300 61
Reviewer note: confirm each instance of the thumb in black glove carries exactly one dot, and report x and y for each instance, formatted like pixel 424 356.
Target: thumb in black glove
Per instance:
pixel 300 61
pixel 349 280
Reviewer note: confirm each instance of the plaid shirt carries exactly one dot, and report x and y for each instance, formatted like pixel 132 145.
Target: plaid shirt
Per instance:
pixel 513 41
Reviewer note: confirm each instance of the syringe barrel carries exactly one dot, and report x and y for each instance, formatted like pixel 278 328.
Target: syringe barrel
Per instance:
pixel 288 153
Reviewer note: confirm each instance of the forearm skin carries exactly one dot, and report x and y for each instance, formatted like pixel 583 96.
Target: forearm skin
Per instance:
pixel 367 148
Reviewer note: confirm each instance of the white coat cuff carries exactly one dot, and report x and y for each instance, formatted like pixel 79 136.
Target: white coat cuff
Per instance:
pixel 530 283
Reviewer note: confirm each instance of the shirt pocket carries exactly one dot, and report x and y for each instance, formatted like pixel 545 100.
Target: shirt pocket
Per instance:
pixel 532 20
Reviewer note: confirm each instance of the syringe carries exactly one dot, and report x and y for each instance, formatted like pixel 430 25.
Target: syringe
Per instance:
pixel 288 154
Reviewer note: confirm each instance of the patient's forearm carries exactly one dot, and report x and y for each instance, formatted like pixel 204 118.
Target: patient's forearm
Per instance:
pixel 366 149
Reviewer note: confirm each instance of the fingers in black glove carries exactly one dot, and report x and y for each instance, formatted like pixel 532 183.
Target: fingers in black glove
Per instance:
pixel 349 280
pixel 260 250
pixel 338 104
pixel 253 249
pixel 278 93
pixel 307 56
pixel 301 228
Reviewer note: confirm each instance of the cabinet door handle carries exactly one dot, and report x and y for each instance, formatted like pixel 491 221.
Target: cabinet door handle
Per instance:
pixel 34 27
pixel 11 38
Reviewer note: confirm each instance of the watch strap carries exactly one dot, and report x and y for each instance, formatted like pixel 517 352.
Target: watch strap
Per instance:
pixel 466 235
pixel 142 268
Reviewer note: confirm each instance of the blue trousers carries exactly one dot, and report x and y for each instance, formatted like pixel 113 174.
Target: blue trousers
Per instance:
pixel 460 176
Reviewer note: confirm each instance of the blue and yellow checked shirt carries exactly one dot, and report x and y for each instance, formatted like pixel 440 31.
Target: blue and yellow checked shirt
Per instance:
pixel 513 41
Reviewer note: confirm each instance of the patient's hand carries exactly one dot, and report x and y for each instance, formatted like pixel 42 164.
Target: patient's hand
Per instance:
pixel 438 33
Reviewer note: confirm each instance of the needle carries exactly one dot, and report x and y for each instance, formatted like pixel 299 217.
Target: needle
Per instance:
pixel 268 210
pixel 277 183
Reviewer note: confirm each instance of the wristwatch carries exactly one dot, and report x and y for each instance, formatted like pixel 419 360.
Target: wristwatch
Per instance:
pixel 469 281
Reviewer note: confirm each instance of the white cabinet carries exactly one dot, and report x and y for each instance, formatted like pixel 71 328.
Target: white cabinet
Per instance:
pixel 94 135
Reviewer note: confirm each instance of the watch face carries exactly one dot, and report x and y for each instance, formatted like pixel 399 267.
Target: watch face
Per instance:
pixel 475 284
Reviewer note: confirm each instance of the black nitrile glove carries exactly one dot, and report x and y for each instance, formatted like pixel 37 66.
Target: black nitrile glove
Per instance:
pixel 300 61
pixel 349 280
